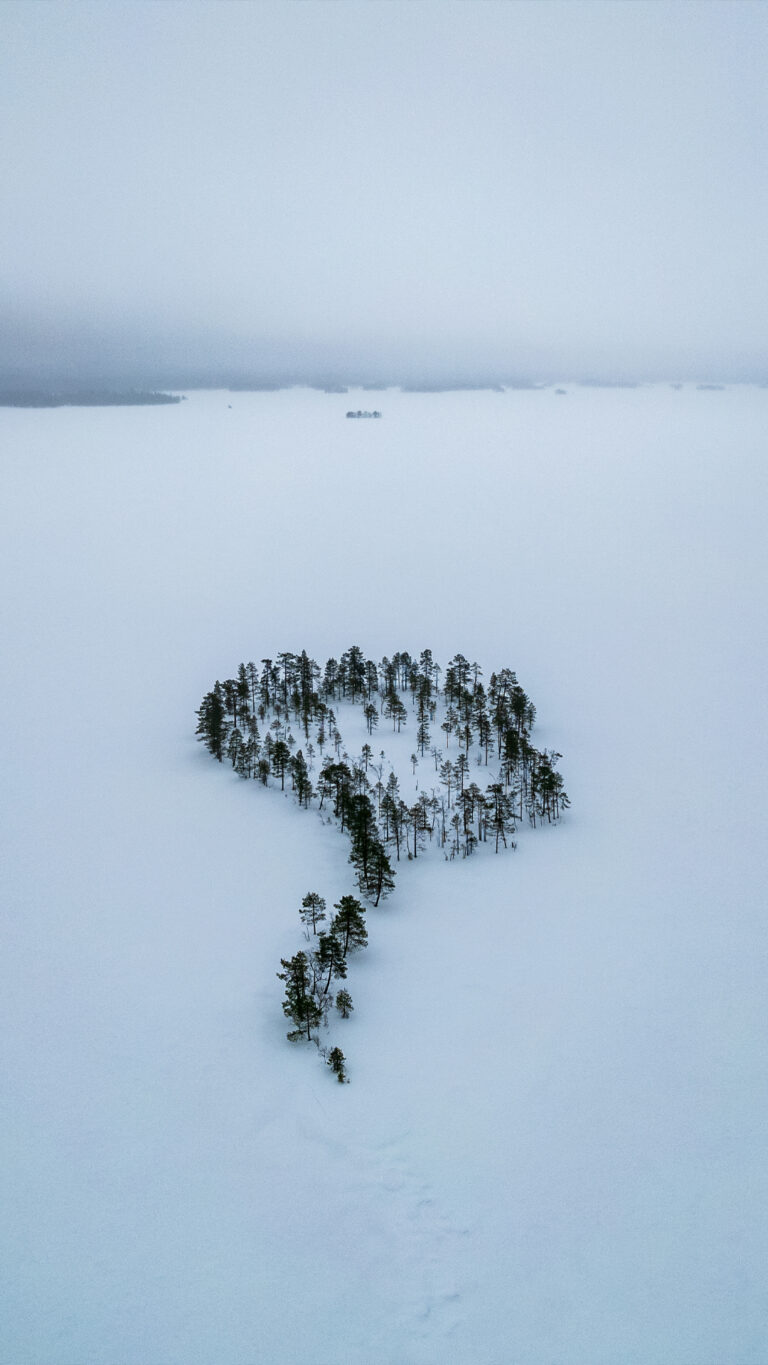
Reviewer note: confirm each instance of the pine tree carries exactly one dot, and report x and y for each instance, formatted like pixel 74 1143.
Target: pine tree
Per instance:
pixel 267 683
pixel 252 674
pixel 500 808
pixel 446 778
pixel 299 1003
pixel 312 911
pixel 247 759
pixel 281 757
pixel 330 678
pixel 335 1061
pixel 243 692
pixel 461 769
pixel 213 727
pixel 381 876
pixel 477 807
pixel 417 824
pixel 549 787
pixel 336 781
pixel 353 671
pixel 349 924
pixel 422 736
pixel 426 664
pixel 456 827
pixel 364 833
pixel 301 782
pixel 286 664
pixel 467 803
pixel 231 700
pixel 388 813
pixel 484 733
pixel 234 746
pixel 344 1003
pixel 329 959
pixel 394 707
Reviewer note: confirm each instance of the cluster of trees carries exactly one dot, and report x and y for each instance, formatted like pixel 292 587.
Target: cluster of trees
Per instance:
pixel 248 720
pixel 234 714
pixel 348 788
pixel 272 721
pixel 310 976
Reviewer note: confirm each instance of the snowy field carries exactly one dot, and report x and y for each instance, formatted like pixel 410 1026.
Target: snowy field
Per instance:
pixel 552 1150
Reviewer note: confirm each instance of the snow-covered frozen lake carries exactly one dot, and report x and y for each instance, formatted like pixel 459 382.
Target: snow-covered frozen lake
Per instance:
pixel 553 1146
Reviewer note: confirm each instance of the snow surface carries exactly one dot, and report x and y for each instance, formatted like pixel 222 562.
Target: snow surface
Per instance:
pixel 553 1145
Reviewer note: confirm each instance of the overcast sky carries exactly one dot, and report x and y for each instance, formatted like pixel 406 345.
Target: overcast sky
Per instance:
pixel 572 187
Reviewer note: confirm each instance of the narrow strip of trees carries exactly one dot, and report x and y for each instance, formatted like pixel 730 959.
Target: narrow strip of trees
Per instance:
pixel 311 975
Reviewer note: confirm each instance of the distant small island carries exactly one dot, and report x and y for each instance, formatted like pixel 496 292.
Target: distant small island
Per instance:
pixel 360 413
pixel 91 398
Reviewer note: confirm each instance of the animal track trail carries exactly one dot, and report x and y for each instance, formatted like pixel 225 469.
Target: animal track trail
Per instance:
pixel 419 1255
pixel 431 1241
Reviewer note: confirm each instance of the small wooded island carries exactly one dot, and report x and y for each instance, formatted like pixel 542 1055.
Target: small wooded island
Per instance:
pixel 464 781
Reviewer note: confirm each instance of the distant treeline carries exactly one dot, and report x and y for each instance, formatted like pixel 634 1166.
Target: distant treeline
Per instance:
pixel 90 398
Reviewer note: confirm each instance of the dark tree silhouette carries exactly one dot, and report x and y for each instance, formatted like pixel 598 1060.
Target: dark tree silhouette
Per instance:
pixel 299 1003
pixel 312 911
pixel 349 924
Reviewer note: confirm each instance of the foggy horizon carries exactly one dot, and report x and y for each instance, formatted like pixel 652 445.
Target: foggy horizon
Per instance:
pixel 377 193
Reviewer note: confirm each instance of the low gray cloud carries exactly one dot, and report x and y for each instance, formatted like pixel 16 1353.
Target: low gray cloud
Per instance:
pixel 384 189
